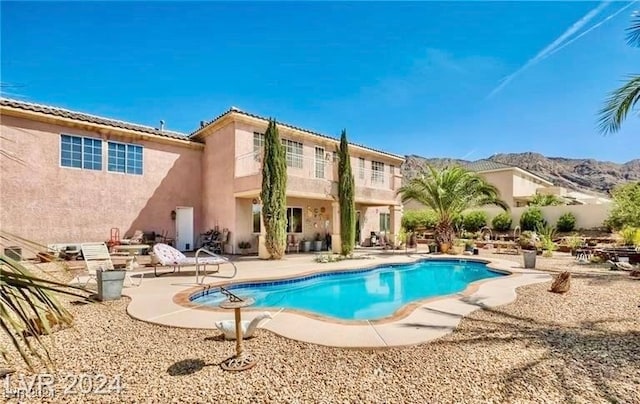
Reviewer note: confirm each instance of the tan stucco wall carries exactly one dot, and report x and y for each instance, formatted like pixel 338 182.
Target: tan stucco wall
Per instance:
pixel 524 185
pixel 503 180
pixel 587 216
pixel 218 162
pixel 47 203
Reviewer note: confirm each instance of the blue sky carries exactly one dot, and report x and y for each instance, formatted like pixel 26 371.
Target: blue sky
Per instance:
pixel 410 78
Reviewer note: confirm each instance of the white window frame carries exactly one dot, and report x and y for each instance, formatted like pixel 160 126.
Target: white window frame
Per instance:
pixel 259 212
pixel 290 209
pixel 385 225
pixel 319 162
pixel 377 172
pixel 361 167
pixel 82 152
pixel 294 160
pixel 126 160
pixel 258 145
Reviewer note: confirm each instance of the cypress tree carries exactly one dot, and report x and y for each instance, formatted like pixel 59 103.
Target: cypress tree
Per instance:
pixel 274 192
pixel 346 191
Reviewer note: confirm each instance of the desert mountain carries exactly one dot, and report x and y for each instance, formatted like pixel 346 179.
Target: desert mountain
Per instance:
pixel 577 174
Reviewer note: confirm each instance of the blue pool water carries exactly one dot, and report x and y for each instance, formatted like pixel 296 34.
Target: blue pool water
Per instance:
pixel 362 294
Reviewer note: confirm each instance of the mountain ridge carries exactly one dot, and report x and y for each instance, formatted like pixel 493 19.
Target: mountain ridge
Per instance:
pixel 590 175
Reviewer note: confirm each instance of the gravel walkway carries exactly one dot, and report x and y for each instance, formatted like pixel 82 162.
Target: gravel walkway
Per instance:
pixel 581 347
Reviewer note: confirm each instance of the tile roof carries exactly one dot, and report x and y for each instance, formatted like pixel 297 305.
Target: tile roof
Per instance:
pixel 286 125
pixel 486 165
pixel 80 116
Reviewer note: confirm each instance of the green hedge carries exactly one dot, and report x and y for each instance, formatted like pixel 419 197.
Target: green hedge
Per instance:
pixel 474 221
pixel 502 222
pixel 413 219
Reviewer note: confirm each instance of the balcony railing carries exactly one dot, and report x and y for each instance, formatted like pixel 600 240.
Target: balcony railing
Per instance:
pixel 306 167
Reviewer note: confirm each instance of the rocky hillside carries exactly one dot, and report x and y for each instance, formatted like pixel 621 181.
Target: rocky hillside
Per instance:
pixel 578 174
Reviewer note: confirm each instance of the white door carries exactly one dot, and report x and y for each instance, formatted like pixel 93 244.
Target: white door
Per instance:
pixel 184 228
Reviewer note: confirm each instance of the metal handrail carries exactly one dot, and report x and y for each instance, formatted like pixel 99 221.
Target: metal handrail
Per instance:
pixel 225 259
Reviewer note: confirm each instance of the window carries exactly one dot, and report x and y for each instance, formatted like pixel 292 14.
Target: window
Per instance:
pixel 258 145
pixel 319 162
pixel 361 167
pixel 385 221
pixel 256 211
pixel 377 172
pixel 293 151
pixel 294 220
pixel 125 158
pixel 80 152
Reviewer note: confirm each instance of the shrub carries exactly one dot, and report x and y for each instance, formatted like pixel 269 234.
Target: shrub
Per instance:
pixel 414 219
pixel 532 219
pixel 566 222
pixel 630 235
pixel 626 207
pixel 474 221
pixel 502 222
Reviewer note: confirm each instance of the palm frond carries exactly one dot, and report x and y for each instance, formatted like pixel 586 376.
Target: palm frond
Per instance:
pixel 620 103
pixel 633 32
pixel 28 308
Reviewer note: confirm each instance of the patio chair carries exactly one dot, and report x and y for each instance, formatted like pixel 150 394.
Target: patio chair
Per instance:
pixel 96 256
pixel 170 257
pixel 293 243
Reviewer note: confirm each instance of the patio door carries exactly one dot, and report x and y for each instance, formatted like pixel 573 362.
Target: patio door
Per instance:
pixel 184 228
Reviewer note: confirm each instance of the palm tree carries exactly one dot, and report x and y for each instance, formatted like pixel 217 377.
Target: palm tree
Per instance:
pixel 624 99
pixel 29 308
pixel 449 192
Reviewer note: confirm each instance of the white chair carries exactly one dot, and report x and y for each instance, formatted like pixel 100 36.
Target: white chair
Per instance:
pixel 170 257
pixel 96 257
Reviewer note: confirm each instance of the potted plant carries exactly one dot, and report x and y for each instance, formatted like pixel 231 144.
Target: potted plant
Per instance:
pixel 433 248
pixel 574 242
pixel 529 243
pixel 244 247
pixel 458 247
pixel 468 245
pixel 317 244
pixel 306 245
pixel 110 282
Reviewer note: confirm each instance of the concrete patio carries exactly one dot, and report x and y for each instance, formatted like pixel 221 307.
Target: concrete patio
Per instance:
pixel 157 300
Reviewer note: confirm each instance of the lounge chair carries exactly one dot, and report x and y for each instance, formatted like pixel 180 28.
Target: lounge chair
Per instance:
pixel 96 256
pixel 168 256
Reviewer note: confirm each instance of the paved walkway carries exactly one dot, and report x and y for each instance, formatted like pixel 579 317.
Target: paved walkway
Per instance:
pixel 154 302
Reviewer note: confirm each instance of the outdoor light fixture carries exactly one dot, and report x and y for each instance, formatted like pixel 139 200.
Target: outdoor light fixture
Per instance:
pixel 173 215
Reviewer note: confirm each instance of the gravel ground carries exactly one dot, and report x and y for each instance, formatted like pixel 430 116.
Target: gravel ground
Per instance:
pixel 581 347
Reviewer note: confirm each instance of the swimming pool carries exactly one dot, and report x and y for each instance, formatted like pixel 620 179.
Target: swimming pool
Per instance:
pixel 366 294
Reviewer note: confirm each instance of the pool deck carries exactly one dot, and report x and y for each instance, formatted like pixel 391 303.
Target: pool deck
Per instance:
pixel 155 301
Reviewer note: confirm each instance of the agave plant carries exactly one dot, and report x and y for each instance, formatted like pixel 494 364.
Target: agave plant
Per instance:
pixel 29 308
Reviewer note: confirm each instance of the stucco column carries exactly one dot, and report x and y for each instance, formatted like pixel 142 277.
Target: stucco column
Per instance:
pixel 336 244
pixel 263 253
pixel 395 219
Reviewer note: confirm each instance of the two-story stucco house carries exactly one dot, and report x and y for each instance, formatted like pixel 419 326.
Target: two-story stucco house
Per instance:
pixel 69 177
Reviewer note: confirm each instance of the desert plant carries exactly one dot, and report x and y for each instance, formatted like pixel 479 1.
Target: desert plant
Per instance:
pixel 547 234
pixel 531 219
pixel 273 195
pixel 449 192
pixel 528 240
pixel 346 189
pixel 574 242
pixel 626 206
pixel 545 200
pixel 501 222
pixel 474 221
pixel 29 307
pixel 566 222
pixel 630 236
pixel 624 99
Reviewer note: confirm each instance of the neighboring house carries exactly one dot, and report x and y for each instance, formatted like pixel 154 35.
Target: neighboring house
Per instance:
pixel 71 177
pixel 516 185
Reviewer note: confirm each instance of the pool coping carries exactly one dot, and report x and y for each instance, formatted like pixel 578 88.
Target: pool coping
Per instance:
pixel 184 298
pixel 414 323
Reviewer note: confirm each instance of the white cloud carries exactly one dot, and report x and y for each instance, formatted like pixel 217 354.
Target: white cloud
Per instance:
pixel 549 49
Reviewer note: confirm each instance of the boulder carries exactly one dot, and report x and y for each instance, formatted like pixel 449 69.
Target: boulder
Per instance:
pixel 561 283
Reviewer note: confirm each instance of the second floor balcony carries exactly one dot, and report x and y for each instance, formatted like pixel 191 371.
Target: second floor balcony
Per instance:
pixel 317 175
